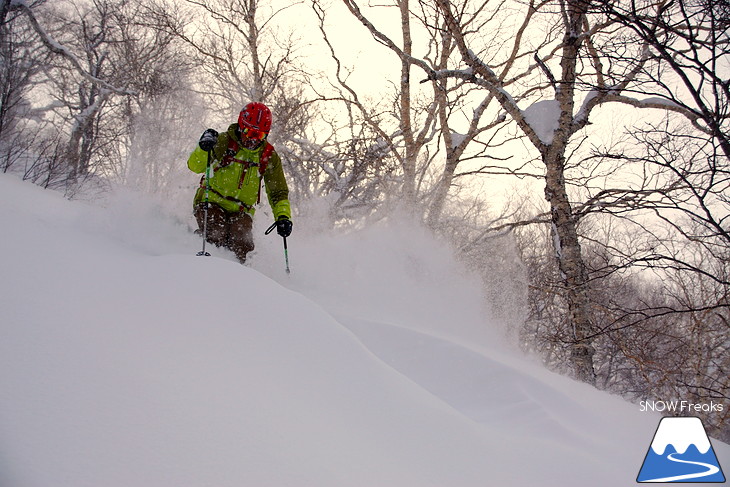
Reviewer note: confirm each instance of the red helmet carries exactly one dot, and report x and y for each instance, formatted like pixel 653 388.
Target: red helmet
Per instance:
pixel 255 120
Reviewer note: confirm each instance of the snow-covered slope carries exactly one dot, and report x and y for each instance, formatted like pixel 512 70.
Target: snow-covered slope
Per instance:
pixel 125 360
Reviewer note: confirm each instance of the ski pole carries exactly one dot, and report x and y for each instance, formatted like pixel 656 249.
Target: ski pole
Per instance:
pixel 205 207
pixel 286 256
pixel 286 249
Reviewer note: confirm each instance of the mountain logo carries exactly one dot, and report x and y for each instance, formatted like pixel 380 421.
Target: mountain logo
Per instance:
pixel 680 452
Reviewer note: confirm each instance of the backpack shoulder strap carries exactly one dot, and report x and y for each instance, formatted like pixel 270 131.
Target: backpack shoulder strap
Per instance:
pixel 264 159
pixel 232 145
pixel 229 154
pixel 263 164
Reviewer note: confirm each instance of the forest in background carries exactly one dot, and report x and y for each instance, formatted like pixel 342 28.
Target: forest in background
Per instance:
pixel 575 153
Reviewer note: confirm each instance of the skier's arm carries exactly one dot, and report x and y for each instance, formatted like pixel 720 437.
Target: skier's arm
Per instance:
pixel 276 188
pixel 198 160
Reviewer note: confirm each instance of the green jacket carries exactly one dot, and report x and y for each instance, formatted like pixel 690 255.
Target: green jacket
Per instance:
pixel 234 185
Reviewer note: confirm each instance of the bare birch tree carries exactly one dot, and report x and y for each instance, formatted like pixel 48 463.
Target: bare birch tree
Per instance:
pixel 410 127
pixel 686 166
pixel 240 52
pixel 103 58
pixel 22 57
pixel 157 116
pixel 423 117
pixel 575 51
pixel 692 40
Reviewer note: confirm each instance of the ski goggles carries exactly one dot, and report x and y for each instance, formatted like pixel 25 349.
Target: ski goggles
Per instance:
pixel 254 134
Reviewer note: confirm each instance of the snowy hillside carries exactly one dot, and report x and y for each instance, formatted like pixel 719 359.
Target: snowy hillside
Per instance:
pixel 127 361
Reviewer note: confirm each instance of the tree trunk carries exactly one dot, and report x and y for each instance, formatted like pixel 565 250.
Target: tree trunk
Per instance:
pixel 564 224
pixel 570 263
pixel 411 148
pixel 441 192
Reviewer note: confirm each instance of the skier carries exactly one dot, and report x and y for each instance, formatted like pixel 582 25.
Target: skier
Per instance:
pixel 240 158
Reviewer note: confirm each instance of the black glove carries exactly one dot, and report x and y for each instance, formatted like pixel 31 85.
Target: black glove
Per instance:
pixel 208 140
pixel 283 226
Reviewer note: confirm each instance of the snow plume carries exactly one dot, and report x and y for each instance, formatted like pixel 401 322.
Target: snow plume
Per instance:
pixel 393 271
pixel 125 360
pixel 160 144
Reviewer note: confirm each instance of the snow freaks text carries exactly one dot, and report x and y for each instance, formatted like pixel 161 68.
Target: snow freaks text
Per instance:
pixel 681 407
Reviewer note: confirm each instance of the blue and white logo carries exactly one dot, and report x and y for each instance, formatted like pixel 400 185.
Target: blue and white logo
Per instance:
pixel 680 452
